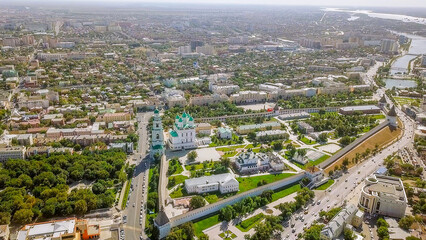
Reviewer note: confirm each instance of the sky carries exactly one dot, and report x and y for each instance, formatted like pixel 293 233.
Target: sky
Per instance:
pixel 382 3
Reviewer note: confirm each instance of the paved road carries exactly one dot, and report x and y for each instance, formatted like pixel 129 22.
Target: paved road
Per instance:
pixel 344 187
pixel 134 228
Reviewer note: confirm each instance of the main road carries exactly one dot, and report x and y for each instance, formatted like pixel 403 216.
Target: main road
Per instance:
pixel 344 187
pixel 135 210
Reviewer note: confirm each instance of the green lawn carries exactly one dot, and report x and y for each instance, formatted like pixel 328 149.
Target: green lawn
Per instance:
pixel 227 233
pixel 301 166
pixel 222 142
pixel 193 167
pixel 325 185
pixel 178 168
pixel 126 194
pixel 321 159
pixel 211 198
pixel 248 183
pixel 379 116
pixel 231 148
pixel 286 191
pixel 178 193
pixel 408 101
pixel 307 141
pixel 249 223
pixel 205 223
pixel 178 180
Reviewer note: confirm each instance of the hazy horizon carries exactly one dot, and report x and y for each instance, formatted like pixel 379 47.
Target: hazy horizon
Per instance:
pixel 325 3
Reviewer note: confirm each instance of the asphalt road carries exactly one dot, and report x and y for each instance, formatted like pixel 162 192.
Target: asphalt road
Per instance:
pixel 134 228
pixel 345 185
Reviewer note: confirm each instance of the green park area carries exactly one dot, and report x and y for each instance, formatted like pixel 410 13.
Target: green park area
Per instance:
pixel 248 183
pixel 325 185
pixel 249 223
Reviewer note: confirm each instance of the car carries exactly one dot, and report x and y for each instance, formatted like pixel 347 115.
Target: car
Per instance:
pixel 293 231
pixel 346 180
pixel 328 206
pixel 292 225
pixel 134 204
pixel 319 202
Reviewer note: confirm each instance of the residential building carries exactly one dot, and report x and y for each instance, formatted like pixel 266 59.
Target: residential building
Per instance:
pixel 112 117
pixel 244 129
pixel 157 135
pixel 367 109
pixel 33 102
pixel 383 195
pixel 224 133
pixel 220 88
pixel 206 50
pixel 15 152
pixel 70 229
pixel 184 50
pixel 271 133
pixel 249 97
pixel 224 183
pixel 31 151
pixel 183 134
pixel 423 62
pixel 4 232
pixel 176 100
pixel 204 128
pixel 389 46
pixel 208 99
pixel 292 116
pixel 305 127
pixel 127 147
pixel 335 227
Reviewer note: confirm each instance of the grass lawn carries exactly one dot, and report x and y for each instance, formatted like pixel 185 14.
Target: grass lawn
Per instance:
pixel 231 148
pixel 229 154
pixel 408 101
pixel 248 183
pixel 249 223
pixel 379 116
pixel 178 193
pixel 211 198
pixel 126 194
pixel 301 166
pixel 384 136
pixel 225 235
pixel 193 167
pixel 178 167
pixel 286 191
pixel 307 141
pixel 321 159
pixel 222 142
pixel 178 180
pixel 203 224
pixel 325 185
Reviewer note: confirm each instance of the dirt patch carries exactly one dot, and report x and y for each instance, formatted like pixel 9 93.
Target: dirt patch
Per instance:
pixel 383 137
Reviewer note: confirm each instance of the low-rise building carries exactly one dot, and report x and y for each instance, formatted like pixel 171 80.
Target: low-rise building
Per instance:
pixel 111 117
pixel 208 99
pixel 335 227
pixel 127 147
pixel 383 195
pixel 249 97
pixel 292 116
pixel 224 183
pixel 224 133
pixel 204 128
pixel 271 133
pixel 367 109
pixel 244 129
pixel 4 232
pixel 70 229
pixel 305 127
pixel 16 152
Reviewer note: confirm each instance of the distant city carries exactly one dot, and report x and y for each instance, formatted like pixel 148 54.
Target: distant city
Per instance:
pixel 182 121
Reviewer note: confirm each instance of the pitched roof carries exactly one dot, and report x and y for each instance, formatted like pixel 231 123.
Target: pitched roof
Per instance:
pixel 161 219
pixel 383 99
pixel 392 112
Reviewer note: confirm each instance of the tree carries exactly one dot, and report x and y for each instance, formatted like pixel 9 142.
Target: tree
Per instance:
pixel 80 207
pixel 322 137
pixel 23 216
pixel 267 194
pixel 345 140
pixel 197 202
pixel 226 162
pixel 412 238
pixel 278 146
pixel 348 234
pixel 227 213
pixel 406 222
pixel 383 232
pixel 188 229
pixel 203 236
pixel 314 232
pixel 192 156
pixel 382 222
pixel 251 136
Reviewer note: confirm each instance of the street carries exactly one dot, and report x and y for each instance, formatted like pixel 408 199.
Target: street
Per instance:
pixel 134 228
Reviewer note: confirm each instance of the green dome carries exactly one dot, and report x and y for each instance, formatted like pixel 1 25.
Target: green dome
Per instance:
pixel 184 114
pixel 156 111
pixel 177 117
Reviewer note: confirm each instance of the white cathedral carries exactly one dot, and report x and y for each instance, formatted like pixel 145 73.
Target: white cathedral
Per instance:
pixel 183 134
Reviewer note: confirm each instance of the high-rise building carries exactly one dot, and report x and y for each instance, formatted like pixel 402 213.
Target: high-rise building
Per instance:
pixel 389 46
pixel 195 44
pixel 423 62
pixel 157 136
pixel 184 49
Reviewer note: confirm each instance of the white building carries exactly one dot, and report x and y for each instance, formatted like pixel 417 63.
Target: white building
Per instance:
pixel 224 133
pixel 208 99
pixel 12 153
pixel 157 135
pixel 249 97
pixel 225 183
pixel 383 195
pixel 183 134
pixel 336 226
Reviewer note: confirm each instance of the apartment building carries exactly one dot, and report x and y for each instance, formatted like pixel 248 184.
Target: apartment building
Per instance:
pixel 7 153
pixel 383 195
pixel 244 129
pixel 112 117
pixel 249 97
pixel 305 127
pixel 208 99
